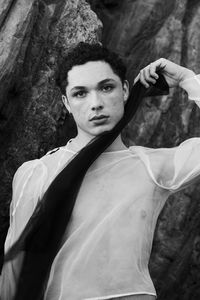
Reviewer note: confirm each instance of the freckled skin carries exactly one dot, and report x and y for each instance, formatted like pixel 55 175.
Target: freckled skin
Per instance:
pixel 96 98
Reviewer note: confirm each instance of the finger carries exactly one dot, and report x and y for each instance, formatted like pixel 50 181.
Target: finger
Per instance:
pixel 136 78
pixel 148 76
pixel 152 70
pixel 142 79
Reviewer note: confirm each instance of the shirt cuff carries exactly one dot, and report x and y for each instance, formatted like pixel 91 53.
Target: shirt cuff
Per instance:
pixel 192 87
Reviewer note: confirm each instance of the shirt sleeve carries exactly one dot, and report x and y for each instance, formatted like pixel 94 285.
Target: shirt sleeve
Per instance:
pixel 181 165
pixel 26 187
pixel 192 87
pixel 175 168
pixel 184 166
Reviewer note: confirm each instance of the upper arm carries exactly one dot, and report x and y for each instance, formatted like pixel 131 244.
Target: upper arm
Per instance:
pixel 181 166
pixel 26 191
pixel 173 168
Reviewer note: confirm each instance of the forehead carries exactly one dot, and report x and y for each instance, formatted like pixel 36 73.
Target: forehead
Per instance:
pixel 90 73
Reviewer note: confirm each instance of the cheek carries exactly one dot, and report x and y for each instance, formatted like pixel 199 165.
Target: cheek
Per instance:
pixel 117 104
pixel 79 111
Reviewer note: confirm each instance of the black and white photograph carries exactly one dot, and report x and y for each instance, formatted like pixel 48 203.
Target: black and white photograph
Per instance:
pixel 99 149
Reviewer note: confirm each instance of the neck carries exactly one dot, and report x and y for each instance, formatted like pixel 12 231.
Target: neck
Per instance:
pixel 79 142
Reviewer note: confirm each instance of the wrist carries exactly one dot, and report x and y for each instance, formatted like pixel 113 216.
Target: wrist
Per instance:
pixel 187 75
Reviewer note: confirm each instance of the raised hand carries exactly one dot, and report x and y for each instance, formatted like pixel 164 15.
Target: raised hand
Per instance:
pixel 173 73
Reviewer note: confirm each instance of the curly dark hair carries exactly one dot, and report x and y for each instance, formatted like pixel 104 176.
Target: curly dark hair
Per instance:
pixel 85 52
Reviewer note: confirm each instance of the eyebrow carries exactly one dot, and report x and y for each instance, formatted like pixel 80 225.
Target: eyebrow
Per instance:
pixel 79 87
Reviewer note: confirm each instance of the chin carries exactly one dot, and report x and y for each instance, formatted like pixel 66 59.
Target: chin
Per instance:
pixel 99 131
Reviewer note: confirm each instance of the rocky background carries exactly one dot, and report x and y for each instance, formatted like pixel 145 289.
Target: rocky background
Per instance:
pixel 35 35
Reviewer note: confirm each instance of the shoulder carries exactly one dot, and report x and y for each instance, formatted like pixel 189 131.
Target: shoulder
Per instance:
pixel 27 177
pixel 42 164
pixel 153 157
pixel 153 160
pixel 152 152
pixel 137 149
pixel 56 158
pixel 25 168
pixel 52 151
pixel 37 165
pixel 32 177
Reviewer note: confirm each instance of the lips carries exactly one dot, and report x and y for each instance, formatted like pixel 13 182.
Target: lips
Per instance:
pixel 100 117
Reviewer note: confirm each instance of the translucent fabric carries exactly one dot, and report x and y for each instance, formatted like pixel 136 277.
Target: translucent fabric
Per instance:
pixel 106 248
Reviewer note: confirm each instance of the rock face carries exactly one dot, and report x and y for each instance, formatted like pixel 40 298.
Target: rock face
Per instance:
pixel 143 31
pixel 33 36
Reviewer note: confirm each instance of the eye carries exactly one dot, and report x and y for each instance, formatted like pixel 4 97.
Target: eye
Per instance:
pixel 79 94
pixel 107 88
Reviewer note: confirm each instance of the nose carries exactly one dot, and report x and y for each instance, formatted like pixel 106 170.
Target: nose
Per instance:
pixel 96 102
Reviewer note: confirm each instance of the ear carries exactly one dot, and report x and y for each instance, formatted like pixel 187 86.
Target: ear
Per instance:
pixel 125 90
pixel 66 103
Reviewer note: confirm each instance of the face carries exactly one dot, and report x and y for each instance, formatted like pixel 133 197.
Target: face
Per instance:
pixel 95 97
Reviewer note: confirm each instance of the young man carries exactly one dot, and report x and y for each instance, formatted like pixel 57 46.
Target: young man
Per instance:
pixel 107 244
